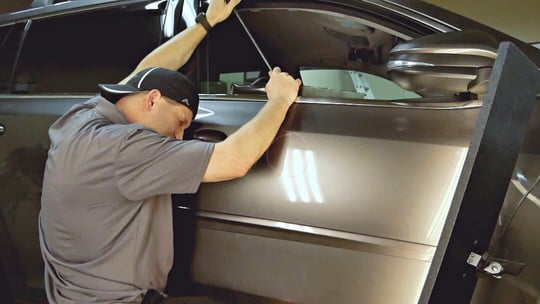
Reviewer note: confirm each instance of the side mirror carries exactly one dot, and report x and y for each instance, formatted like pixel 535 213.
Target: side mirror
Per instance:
pixel 444 63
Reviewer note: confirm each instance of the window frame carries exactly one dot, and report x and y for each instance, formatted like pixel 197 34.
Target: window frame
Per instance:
pixel 29 17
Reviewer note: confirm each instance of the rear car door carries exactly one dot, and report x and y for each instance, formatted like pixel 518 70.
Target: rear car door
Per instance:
pixel 52 57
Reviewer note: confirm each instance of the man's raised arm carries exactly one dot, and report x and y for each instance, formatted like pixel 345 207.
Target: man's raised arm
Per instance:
pixel 174 53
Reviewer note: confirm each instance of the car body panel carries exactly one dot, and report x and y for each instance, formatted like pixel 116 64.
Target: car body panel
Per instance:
pixel 303 272
pixel 304 179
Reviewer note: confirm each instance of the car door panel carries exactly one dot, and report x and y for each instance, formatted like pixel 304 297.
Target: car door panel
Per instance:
pixel 317 176
pixel 370 184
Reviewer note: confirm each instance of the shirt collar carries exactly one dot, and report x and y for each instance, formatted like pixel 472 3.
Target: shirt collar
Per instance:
pixel 109 110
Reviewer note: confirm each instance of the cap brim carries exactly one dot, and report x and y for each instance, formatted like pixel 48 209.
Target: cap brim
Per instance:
pixel 118 89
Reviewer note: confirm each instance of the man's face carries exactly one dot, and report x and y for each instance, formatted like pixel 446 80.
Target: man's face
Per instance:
pixel 169 118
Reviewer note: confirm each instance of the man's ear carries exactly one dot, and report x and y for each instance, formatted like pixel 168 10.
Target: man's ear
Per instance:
pixel 151 98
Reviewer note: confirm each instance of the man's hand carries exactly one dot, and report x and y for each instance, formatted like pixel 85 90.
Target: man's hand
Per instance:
pixel 233 157
pixel 219 10
pixel 282 87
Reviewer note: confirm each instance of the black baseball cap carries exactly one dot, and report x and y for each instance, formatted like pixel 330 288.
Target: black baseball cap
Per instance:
pixel 171 84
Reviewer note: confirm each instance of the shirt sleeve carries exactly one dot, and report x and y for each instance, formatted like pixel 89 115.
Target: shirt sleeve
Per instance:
pixel 149 164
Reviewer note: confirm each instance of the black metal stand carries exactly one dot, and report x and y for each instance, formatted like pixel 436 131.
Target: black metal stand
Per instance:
pixel 482 186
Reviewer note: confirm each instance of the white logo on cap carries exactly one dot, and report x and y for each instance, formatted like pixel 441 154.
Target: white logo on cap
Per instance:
pixel 186 101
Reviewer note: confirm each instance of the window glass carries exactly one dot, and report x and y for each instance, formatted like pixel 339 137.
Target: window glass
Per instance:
pixel 21 5
pixel 231 59
pixel 9 42
pixel 74 53
pixel 346 55
pixel 350 84
pixel 13 6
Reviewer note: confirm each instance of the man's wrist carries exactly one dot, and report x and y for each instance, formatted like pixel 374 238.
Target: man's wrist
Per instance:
pixel 212 19
pixel 203 20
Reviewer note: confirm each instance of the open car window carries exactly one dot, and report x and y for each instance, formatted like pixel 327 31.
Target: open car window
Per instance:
pixel 350 84
pixel 335 55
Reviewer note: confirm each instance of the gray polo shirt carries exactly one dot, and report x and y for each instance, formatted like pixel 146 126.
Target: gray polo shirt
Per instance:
pixel 105 225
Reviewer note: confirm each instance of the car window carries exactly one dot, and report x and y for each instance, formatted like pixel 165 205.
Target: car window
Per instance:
pixel 74 53
pixel 335 55
pixel 20 5
pixel 231 59
pixel 350 84
pixel 9 42
pixel 12 6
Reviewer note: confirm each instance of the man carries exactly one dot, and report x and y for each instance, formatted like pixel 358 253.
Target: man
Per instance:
pixel 106 220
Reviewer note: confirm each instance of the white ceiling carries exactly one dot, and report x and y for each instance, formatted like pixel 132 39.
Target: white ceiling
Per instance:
pixel 520 19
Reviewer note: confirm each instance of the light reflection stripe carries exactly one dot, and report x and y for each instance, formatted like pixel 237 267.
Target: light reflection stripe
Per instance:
pixel 299 175
pixel 313 179
pixel 286 179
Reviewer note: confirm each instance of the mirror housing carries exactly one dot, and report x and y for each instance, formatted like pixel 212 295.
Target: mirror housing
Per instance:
pixel 444 63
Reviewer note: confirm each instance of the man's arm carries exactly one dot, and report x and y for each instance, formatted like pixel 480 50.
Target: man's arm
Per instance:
pixel 174 53
pixel 234 156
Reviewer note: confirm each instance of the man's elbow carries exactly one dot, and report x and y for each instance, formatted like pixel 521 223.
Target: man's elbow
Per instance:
pixel 228 163
pixel 226 173
pixel 241 170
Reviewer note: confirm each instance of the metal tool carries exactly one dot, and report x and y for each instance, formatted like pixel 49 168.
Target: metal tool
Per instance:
pixel 252 39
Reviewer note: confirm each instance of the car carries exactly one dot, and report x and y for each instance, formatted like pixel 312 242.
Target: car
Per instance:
pixel 349 202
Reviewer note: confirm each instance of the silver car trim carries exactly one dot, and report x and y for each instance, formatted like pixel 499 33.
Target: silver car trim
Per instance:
pixel 452 51
pixel 394 64
pixel 402 104
pixel 314 235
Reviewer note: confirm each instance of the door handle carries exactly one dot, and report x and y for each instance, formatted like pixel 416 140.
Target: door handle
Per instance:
pixel 2 129
pixel 209 135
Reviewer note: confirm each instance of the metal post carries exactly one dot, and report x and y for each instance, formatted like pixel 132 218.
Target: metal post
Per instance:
pixel 482 186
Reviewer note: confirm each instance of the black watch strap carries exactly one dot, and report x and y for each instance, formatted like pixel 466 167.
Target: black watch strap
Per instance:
pixel 201 19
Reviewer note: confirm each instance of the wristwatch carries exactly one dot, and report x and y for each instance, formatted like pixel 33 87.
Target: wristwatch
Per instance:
pixel 201 19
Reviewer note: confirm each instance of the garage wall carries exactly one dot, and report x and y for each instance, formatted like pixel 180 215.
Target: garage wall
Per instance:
pixel 517 18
